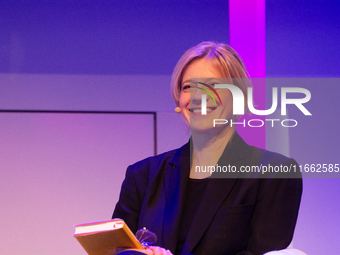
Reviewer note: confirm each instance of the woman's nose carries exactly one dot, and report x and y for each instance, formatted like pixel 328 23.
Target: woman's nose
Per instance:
pixel 196 94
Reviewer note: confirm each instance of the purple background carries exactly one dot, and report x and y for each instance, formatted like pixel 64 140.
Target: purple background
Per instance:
pixel 105 37
pixel 118 56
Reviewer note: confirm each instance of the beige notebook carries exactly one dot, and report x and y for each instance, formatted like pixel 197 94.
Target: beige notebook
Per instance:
pixel 101 238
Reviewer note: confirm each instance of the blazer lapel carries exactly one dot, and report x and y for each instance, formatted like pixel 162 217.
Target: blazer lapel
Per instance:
pixel 176 177
pixel 215 194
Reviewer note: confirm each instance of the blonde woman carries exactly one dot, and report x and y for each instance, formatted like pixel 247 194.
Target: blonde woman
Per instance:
pixel 190 211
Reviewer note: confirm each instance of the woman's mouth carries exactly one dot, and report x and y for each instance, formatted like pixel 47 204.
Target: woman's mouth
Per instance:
pixel 199 110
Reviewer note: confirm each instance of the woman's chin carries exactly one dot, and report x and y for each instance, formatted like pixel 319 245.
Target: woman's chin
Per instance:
pixel 202 128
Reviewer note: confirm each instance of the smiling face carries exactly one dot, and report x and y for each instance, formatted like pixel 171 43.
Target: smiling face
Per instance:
pixel 190 97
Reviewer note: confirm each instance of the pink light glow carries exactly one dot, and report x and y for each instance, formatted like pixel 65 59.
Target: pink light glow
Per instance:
pixel 247 36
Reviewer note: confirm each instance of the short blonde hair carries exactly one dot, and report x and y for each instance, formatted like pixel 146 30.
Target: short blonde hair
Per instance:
pixel 225 57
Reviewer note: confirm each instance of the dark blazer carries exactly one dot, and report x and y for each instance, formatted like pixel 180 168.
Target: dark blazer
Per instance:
pixel 236 215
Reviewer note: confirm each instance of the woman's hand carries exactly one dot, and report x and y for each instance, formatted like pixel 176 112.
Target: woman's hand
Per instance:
pixel 156 250
pixel 149 250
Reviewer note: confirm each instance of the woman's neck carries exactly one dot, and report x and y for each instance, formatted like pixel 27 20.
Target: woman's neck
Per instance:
pixel 206 151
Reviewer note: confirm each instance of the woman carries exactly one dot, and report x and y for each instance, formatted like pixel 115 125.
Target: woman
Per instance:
pixel 190 211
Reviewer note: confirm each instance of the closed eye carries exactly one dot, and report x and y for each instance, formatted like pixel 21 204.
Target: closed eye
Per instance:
pixel 186 88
